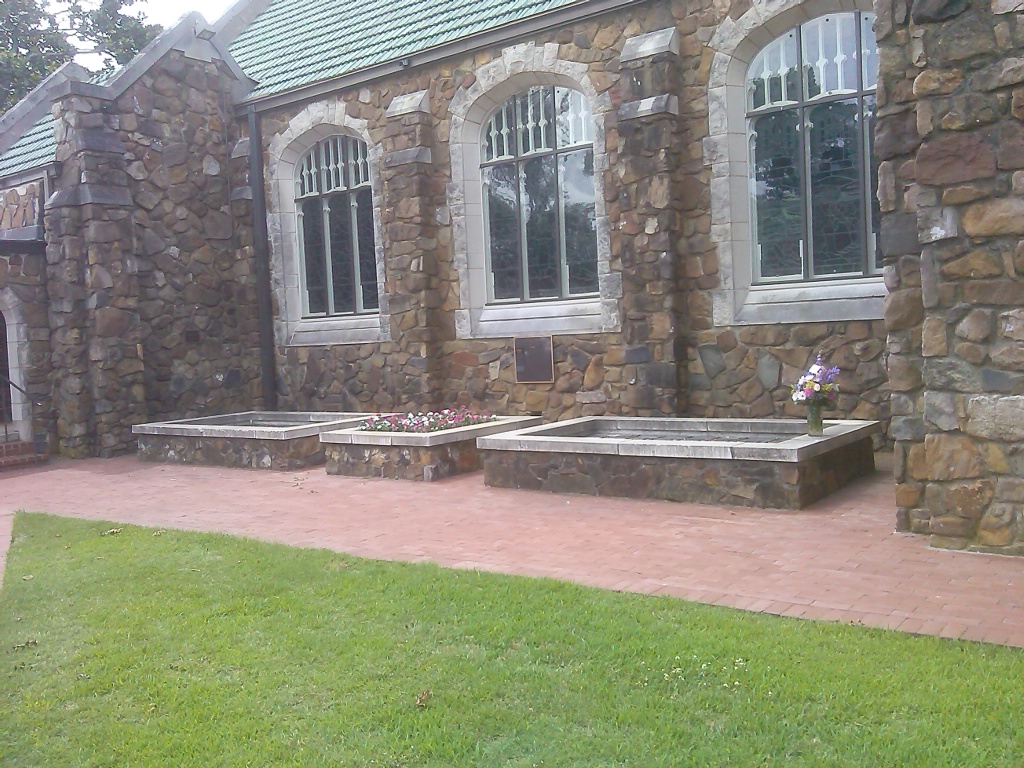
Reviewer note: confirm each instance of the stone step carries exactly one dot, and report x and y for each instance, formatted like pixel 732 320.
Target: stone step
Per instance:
pixel 19 453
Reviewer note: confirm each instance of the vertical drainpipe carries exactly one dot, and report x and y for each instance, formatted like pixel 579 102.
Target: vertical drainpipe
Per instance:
pixel 264 306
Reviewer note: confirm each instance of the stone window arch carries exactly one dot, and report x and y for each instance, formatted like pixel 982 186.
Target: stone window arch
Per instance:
pixel 324 159
pixel 15 339
pixel 790 290
pixel 574 306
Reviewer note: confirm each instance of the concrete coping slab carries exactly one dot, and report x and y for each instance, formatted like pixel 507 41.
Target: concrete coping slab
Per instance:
pixel 784 440
pixel 260 425
pixel 354 436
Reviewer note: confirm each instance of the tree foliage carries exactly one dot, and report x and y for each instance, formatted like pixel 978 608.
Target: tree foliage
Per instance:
pixel 36 37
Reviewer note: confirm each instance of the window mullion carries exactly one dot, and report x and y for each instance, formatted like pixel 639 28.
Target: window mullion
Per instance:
pixel 325 212
pixel 524 257
pixel 563 255
pixel 357 285
pixel 301 231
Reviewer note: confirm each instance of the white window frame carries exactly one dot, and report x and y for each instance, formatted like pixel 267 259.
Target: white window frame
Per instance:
pixel 514 71
pixel 322 195
pixel 17 353
pixel 517 160
pixel 738 300
pixel 318 121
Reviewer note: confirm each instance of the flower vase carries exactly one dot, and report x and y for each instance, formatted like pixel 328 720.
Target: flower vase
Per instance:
pixel 815 425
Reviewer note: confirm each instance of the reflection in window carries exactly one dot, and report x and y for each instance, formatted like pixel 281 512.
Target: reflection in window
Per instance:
pixel 335 211
pixel 540 214
pixel 811 113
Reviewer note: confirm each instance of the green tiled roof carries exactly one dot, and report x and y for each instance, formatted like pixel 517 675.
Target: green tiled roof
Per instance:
pixel 34 149
pixel 296 42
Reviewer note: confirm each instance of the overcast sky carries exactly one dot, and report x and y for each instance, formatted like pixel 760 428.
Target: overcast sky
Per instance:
pixel 166 12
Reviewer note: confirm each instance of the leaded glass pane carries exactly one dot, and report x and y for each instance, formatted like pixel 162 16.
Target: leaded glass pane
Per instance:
pixel 830 54
pixel 538 198
pixel 875 256
pixel 573 120
pixel 836 188
pixel 342 278
pixel 333 150
pixel 307 180
pixel 314 261
pixel 773 77
pixel 535 112
pixel 868 51
pixel 367 251
pixel 778 197
pixel 502 212
pixel 579 219
pixel 499 134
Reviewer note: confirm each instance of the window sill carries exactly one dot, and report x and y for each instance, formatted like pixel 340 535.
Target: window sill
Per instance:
pixel 836 301
pixel 323 331
pixel 565 316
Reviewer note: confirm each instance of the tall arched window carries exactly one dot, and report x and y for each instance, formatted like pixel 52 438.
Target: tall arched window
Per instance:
pixel 6 402
pixel 810 114
pixel 540 216
pixel 334 204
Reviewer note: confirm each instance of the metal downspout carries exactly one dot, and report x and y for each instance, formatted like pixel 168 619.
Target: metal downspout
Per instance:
pixel 264 305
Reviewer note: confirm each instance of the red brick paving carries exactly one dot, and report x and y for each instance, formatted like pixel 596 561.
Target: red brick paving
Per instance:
pixel 838 561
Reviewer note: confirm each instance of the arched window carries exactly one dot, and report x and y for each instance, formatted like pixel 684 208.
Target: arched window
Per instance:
pixel 540 217
pixel 334 204
pixel 810 113
pixel 6 402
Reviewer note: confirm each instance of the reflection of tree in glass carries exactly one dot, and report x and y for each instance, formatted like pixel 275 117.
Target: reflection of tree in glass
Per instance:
pixel 777 190
pixel 541 235
pixel 580 220
pixel 503 227
pixel 836 188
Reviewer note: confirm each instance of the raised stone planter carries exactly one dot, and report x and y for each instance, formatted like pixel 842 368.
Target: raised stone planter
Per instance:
pixel 281 440
pixel 410 455
pixel 731 462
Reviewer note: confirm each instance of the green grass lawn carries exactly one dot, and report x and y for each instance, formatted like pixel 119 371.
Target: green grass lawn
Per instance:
pixel 150 648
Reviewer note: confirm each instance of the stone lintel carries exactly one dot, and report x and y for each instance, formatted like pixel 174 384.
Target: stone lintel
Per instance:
pixel 22 234
pixel 241 193
pixel 97 140
pixel 409 103
pixel 651 44
pixel 407 156
pixel 654 105
pixel 90 194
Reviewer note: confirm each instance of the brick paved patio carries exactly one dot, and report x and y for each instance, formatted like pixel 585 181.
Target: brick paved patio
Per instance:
pixel 839 560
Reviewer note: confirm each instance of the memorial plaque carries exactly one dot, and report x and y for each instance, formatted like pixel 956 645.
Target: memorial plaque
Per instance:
pixel 535 361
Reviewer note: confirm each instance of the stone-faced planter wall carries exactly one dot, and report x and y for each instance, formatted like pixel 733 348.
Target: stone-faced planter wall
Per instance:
pixel 951 184
pixel 753 463
pixel 412 456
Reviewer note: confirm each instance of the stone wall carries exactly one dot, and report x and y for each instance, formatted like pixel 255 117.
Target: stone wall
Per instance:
pixel 151 295
pixel 669 357
pixel 951 184
pixel 23 297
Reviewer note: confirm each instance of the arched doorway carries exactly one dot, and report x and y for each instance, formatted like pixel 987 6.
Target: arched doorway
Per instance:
pixel 6 401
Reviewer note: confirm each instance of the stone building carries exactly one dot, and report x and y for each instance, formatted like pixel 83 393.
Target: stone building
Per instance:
pixel 684 200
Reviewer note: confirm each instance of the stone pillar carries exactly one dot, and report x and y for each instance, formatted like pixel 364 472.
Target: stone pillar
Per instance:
pixel 92 275
pixel 649 147
pixel 412 195
pixel 950 140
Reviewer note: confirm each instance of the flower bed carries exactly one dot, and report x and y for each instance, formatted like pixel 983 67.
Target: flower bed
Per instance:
pixel 432 421
pixel 372 450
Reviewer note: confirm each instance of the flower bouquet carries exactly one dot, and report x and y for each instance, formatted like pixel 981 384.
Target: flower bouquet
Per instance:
pixel 818 389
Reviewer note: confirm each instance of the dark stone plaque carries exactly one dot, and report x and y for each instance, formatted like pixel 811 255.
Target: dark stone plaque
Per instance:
pixel 535 362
